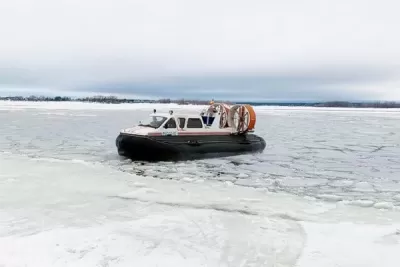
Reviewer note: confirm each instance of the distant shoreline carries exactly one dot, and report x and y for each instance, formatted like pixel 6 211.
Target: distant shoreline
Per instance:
pixel 115 100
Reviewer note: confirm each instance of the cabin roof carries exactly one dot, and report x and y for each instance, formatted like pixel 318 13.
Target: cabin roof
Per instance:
pixel 162 114
pixel 183 115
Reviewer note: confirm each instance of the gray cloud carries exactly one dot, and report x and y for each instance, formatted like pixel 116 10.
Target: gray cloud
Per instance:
pixel 318 85
pixel 309 49
pixel 333 83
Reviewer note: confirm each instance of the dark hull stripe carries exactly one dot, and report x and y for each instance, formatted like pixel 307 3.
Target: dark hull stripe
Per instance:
pixel 186 147
pixel 193 133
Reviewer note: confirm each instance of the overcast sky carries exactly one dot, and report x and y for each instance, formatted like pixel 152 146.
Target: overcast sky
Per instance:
pixel 225 49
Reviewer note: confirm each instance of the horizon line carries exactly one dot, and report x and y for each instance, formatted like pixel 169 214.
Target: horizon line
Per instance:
pixel 287 101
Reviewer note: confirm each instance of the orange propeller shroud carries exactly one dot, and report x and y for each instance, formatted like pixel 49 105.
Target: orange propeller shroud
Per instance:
pixel 246 116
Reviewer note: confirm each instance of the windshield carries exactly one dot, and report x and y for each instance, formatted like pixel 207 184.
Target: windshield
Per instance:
pixel 153 121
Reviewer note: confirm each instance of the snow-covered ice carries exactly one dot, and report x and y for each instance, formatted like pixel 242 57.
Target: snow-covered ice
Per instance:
pixel 324 192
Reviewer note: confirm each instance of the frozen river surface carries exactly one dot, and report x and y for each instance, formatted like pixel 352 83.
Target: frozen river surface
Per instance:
pixel 325 192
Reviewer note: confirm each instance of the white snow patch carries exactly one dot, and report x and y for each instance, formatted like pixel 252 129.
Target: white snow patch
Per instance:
pixel 348 245
pixel 361 203
pixel 363 187
pixel 384 205
pixel 300 182
pixel 388 187
pixel 342 183
pixel 242 176
pixel 330 197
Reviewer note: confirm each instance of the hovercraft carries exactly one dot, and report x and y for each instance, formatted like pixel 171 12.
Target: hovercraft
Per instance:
pixel 219 130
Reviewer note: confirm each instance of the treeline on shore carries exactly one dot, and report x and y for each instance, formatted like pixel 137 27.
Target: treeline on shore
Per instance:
pixel 344 104
pixel 116 100
pixel 96 99
pixel 108 100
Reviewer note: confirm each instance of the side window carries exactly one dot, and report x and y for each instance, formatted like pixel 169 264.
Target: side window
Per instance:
pixel 170 123
pixel 194 123
pixel 181 122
